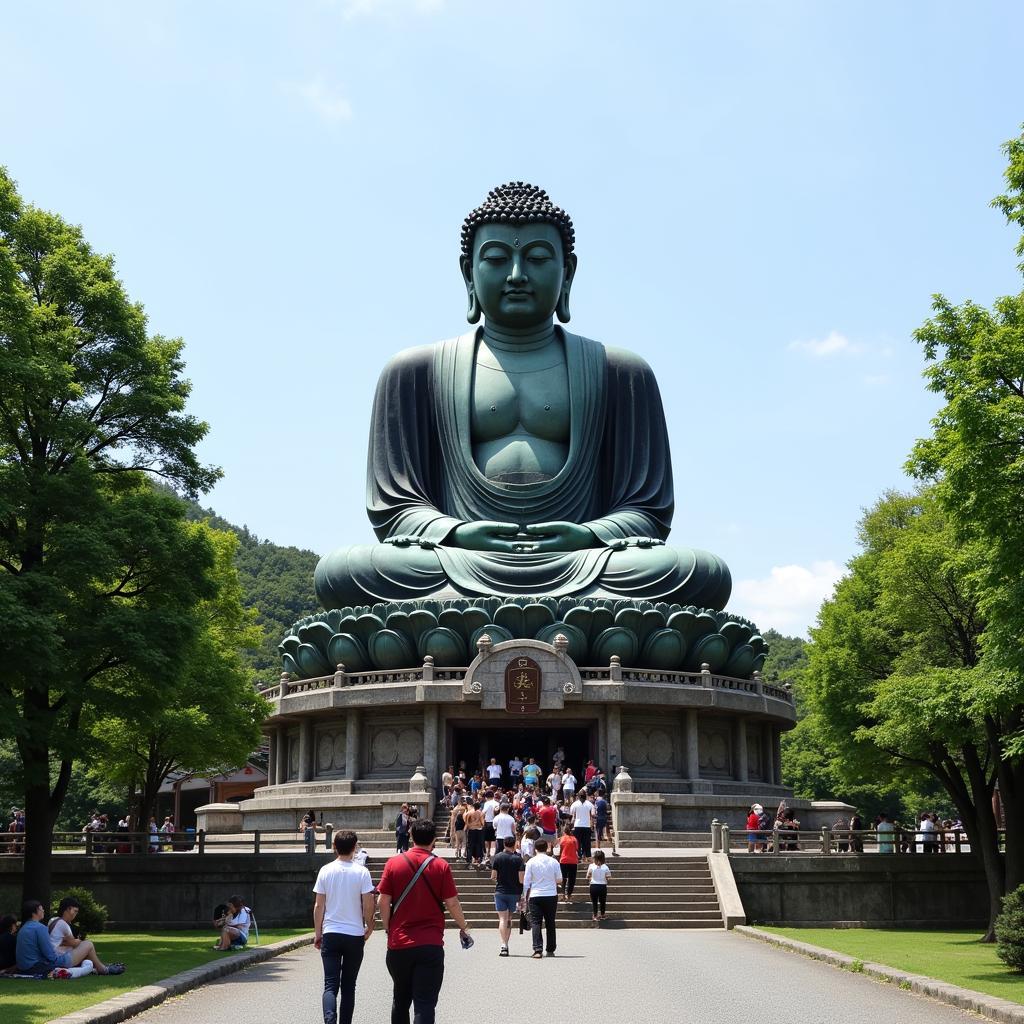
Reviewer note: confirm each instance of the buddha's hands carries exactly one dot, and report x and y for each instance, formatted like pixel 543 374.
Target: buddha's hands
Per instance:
pixel 560 536
pixel 487 536
pixel 635 542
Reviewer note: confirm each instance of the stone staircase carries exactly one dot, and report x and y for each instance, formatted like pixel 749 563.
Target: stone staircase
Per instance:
pixel 645 892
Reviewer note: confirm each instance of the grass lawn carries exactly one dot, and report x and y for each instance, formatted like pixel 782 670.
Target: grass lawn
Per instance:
pixel 148 957
pixel 954 957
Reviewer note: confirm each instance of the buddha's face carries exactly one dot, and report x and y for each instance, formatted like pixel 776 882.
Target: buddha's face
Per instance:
pixel 518 273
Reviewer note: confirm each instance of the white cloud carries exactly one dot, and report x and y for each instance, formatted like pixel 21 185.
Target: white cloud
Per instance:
pixel 324 100
pixel 788 598
pixel 876 380
pixel 833 344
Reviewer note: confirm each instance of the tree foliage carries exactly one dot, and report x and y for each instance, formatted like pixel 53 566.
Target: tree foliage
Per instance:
pixel 99 575
pixel 207 719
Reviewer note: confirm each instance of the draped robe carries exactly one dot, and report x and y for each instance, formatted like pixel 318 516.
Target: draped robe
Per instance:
pixel 423 482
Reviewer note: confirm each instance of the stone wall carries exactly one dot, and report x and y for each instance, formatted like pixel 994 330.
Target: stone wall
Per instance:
pixel 179 891
pixel 919 891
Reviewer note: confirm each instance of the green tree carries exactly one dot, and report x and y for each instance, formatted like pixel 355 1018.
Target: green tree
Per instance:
pixel 895 676
pixel 208 718
pixel 99 575
pixel 975 455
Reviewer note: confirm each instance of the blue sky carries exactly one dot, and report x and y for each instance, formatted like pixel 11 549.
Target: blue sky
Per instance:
pixel 765 198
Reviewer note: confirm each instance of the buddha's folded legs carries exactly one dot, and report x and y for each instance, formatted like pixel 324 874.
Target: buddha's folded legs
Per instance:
pixel 387 572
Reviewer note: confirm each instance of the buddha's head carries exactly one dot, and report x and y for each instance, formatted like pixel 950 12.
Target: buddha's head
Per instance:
pixel 517 258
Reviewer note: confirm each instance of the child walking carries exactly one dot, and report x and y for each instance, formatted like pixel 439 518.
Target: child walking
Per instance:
pixel 598 874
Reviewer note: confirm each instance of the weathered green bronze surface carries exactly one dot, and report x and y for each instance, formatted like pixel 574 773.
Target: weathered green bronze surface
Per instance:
pixel 401 634
pixel 519 459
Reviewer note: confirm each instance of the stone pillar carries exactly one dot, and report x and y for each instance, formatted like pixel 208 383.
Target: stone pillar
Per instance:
pixel 742 768
pixel 692 745
pixel 271 757
pixel 613 737
pixel 353 731
pixel 306 750
pixel 777 753
pixel 431 767
pixel 281 773
pixel 769 753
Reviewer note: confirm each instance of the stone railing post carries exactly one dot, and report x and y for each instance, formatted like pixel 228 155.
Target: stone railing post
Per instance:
pixel 758 682
pixel 285 680
pixel 202 840
pixel 256 841
pixel 716 836
pixel 776 845
pixel 427 673
pixel 339 675
pixel 561 644
pixel 418 783
pixel 826 841
pixel 705 674
pixel 726 838
pixel 484 645
pixel 328 836
pixel 615 669
pixel 623 781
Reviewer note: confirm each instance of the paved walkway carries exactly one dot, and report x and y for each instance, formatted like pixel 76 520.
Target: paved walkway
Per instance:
pixel 658 977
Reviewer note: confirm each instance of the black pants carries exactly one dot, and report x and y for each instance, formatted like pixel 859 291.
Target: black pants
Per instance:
pixel 417 974
pixel 401 842
pixel 568 878
pixel 342 956
pixel 474 844
pixel 542 919
pixel 598 897
pixel 583 837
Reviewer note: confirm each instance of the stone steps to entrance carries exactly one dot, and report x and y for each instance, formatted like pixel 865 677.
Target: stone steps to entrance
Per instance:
pixel 644 893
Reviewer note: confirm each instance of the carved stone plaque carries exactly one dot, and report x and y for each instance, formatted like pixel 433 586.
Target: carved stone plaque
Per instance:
pixel 522 686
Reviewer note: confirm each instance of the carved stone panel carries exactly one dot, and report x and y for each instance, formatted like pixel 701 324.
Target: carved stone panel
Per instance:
pixel 396 749
pixel 648 747
pixel 715 749
pixel 331 751
pixel 293 756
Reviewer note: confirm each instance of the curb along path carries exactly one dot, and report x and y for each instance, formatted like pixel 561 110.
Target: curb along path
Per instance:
pixel 963 998
pixel 128 1004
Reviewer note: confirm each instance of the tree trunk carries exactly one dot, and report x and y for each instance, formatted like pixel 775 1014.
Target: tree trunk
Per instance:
pixel 38 825
pixel 987 838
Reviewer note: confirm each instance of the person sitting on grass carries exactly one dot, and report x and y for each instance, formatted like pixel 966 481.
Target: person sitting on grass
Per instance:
pixel 234 925
pixel 35 953
pixel 64 940
pixel 8 943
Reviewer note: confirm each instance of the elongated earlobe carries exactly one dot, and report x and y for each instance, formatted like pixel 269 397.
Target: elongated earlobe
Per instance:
pixel 562 309
pixel 473 313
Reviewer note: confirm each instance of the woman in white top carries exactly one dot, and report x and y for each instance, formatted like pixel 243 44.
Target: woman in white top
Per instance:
pixel 235 925
pixel 540 892
pixel 598 874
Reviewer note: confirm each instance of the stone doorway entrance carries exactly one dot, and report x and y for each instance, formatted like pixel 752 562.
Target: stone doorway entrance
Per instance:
pixel 477 744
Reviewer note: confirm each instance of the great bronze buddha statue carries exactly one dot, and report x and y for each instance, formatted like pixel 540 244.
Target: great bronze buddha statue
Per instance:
pixel 519 459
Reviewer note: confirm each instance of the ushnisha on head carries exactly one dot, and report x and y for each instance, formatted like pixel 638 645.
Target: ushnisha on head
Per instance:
pixel 517 258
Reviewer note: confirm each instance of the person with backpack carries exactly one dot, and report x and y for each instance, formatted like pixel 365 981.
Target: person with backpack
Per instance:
pixel 415 890
pixel 342 922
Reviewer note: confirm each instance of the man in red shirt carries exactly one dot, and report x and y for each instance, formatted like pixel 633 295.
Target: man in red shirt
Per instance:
pixel 590 772
pixel 547 815
pixel 415 924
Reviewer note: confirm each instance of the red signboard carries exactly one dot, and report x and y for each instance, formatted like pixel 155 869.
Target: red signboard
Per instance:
pixel 522 686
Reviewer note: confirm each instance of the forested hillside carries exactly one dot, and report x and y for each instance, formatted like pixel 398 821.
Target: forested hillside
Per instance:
pixel 278 584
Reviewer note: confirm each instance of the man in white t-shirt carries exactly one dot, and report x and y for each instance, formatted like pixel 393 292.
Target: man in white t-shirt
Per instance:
pixel 554 781
pixel 582 811
pixel 490 809
pixel 494 772
pixel 342 921
pixel 504 826
pixel 568 784
pixel 541 881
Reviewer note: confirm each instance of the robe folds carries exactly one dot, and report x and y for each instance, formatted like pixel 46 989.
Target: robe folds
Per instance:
pixel 423 482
